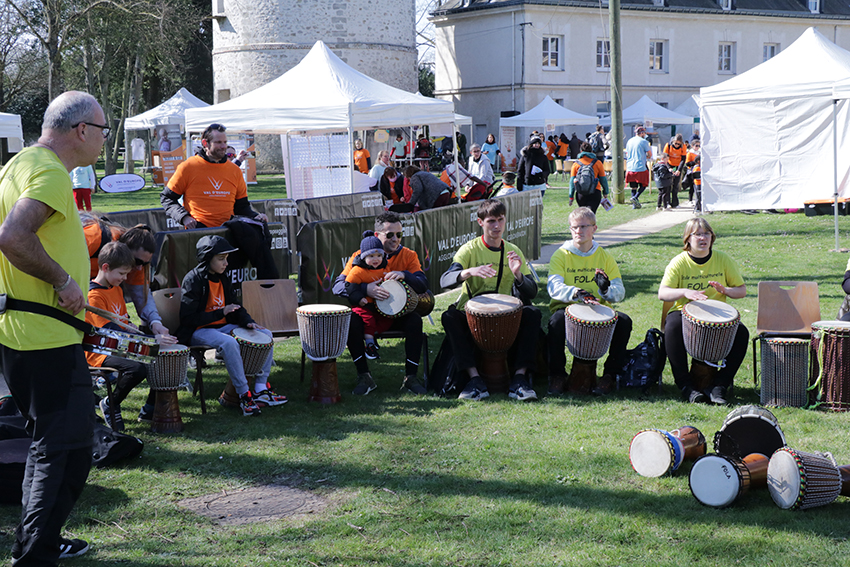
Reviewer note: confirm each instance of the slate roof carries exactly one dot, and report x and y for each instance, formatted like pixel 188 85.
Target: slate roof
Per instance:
pixel 830 9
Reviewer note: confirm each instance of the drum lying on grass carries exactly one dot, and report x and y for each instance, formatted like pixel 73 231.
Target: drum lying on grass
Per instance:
pixel 708 328
pixel 656 452
pixel 718 481
pixel 747 430
pixel 798 480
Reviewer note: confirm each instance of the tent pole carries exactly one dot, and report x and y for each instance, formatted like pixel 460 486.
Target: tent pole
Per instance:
pixel 456 180
pixel 835 170
pixel 351 151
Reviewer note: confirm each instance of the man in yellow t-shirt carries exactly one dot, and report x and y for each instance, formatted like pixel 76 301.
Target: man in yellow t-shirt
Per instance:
pixel 490 264
pixel 580 271
pixel 212 187
pixel 44 260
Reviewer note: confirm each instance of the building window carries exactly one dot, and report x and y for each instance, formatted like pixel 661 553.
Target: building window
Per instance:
pixel 603 108
pixel 551 52
pixel 726 57
pixel 814 6
pixel 770 50
pixel 661 3
pixel 663 104
pixel 603 54
pixel 658 55
pixel 726 4
pixel 559 101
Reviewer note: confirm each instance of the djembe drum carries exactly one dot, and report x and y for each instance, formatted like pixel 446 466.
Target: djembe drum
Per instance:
pixel 830 369
pixel 402 300
pixel 655 452
pixel 708 328
pixel 324 332
pixel 718 480
pixel 589 329
pixel 254 347
pixel 798 480
pixel 747 430
pixel 426 304
pixel 784 371
pixel 494 320
pixel 164 377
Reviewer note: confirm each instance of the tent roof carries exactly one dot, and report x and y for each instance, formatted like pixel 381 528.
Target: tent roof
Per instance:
pixel 808 67
pixel 646 110
pixel 690 107
pixel 547 112
pixel 10 126
pixel 322 93
pixel 169 112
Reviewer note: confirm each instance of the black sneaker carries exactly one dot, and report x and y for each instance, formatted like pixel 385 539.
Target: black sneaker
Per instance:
pixel 372 351
pixel 146 414
pixel 365 384
pixel 414 385
pixel 476 390
pixel 268 397
pixel 696 397
pixel 717 395
pixel 521 390
pixel 69 548
pixel 117 419
pixel 557 384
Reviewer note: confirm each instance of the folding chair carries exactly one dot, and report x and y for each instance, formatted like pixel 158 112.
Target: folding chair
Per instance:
pixel 785 309
pixel 168 305
pixel 559 168
pixel 272 304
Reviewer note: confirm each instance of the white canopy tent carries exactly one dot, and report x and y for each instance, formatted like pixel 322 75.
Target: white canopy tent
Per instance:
pixel 547 112
pixel 172 111
pixel 311 105
pixel 689 108
pixel 10 128
pixel 772 137
pixel 645 110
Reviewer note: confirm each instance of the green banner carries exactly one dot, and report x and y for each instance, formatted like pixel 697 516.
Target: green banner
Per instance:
pixel 355 205
pixel 434 235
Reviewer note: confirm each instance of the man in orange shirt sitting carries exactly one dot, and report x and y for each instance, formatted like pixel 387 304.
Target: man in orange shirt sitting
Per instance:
pixel 212 187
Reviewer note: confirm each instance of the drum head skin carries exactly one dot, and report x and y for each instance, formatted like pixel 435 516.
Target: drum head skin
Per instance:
pixel 397 301
pixel 494 303
pixel 651 453
pixel 252 336
pixel 715 481
pixel 749 429
pixel 784 480
pixel 711 311
pixel 591 313
pixel 318 308
pixel 172 349
pixel 841 325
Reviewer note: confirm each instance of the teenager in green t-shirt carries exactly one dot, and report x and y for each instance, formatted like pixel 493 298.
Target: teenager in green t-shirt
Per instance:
pixel 696 274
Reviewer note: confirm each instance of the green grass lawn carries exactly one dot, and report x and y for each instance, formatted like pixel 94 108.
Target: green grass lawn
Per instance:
pixel 415 481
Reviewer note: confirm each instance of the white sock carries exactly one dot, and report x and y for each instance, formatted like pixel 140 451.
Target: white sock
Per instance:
pixel 259 386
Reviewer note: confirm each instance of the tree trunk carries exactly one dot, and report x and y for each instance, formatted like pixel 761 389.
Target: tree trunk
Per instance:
pixel 54 54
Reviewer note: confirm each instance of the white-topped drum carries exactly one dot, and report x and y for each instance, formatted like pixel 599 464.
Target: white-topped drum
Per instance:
pixel 402 300
pixel 255 348
pixel 708 328
pixel 589 329
pixel 800 480
pixel 323 328
pixel 718 481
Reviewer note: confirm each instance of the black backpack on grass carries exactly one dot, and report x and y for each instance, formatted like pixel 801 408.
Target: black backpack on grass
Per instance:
pixel 644 363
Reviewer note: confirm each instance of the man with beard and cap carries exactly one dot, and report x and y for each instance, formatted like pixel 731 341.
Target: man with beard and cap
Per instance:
pixel 533 169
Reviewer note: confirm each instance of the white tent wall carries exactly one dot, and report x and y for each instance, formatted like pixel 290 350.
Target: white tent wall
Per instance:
pixel 10 128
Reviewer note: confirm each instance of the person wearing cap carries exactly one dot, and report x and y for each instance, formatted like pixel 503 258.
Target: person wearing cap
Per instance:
pixel 638 152
pixel 212 187
pixel 367 267
pixel 533 169
pixel 402 265
pixel 208 314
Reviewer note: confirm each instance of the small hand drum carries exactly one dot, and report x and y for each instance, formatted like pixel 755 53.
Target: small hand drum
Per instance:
pixel 324 332
pixel 655 452
pixel 747 430
pixel 426 304
pixel 402 300
pixel 799 480
pixel 164 377
pixel 718 481
pixel 494 321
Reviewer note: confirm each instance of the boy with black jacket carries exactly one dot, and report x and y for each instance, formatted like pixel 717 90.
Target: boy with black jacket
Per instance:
pixel 208 314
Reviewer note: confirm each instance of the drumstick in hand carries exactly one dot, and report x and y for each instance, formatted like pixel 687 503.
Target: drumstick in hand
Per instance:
pixel 112 317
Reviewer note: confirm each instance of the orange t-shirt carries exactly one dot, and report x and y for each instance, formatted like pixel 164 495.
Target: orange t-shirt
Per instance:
pixel 209 190
pixel 215 301
pixel 598 169
pixel 675 155
pixel 550 150
pixel 361 275
pixel 563 149
pixel 109 299
pixel 360 157
pixel 94 238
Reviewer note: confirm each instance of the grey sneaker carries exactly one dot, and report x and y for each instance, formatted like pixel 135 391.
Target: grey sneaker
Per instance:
pixel 717 395
pixel 521 390
pixel 365 384
pixel 696 397
pixel 117 418
pixel 476 390
pixel 414 385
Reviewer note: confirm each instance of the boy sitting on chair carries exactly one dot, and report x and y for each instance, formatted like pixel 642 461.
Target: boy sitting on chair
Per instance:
pixel 208 314
pixel 115 261
pixel 580 271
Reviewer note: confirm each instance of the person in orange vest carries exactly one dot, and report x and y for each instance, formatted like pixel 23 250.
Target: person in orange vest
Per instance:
pixel 551 148
pixel 676 151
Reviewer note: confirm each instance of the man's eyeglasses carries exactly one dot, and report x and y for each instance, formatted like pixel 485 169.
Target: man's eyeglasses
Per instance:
pixel 141 262
pixel 106 129
pixel 391 234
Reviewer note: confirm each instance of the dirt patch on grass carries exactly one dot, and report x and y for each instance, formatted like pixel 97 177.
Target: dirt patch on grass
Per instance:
pixel 255 504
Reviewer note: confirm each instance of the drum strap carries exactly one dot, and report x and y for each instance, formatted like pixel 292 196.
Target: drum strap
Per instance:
pixel 816 385
pixel 10 304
